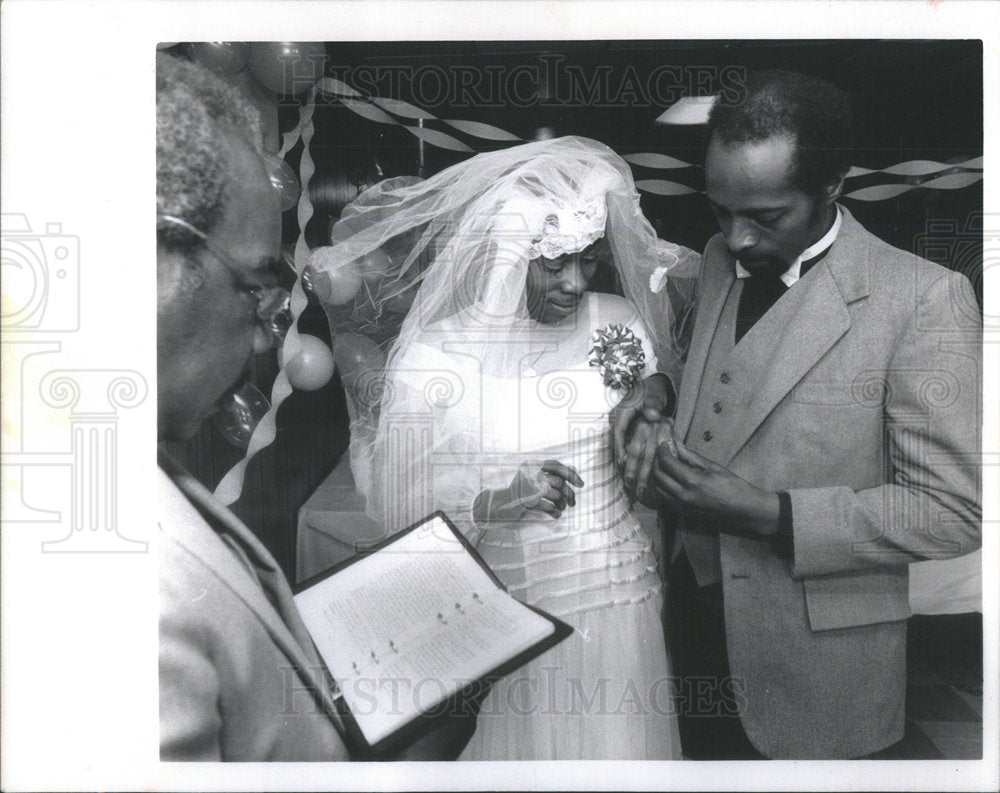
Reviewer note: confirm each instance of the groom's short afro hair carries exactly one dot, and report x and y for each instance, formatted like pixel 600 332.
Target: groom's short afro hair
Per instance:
pixel 814 112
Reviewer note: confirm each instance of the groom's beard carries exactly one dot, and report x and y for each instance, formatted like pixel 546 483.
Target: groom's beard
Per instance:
pixel 767 266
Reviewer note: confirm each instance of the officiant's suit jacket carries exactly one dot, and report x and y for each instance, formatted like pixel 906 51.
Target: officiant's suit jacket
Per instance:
pixel 859 394
pixel 239 676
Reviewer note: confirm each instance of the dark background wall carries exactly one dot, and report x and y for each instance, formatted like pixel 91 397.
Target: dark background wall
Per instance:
pixel 912 100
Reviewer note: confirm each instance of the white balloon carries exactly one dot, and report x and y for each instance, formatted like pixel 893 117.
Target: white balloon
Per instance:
pixel 312 366
pixel 344 279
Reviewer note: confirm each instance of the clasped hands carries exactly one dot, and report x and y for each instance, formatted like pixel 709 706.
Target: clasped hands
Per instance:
pixel 661 471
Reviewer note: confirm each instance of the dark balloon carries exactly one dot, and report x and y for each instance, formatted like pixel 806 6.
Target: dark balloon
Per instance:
pixel 287 67
pixel 240 414
pixel 223 57
pixel 284 180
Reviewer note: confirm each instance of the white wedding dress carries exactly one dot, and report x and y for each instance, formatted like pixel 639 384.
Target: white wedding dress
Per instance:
pixel 605 692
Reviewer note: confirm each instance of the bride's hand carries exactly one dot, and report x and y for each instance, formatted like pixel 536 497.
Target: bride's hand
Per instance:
pixel 547 488
pixel 642 449
pixel 646 403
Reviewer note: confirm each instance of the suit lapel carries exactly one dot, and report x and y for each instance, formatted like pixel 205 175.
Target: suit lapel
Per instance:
pixel 783 346
pixel 788 341
pixel 717 279
pixel 285 628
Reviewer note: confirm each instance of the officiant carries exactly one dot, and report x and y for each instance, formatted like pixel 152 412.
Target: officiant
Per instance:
pixel 240 678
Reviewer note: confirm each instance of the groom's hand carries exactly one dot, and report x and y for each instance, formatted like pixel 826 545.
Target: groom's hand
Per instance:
pixel 708 490
pixel 646 438
pixel 633 423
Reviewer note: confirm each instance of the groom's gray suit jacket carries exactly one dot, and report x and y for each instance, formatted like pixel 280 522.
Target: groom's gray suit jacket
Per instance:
pixel 858 393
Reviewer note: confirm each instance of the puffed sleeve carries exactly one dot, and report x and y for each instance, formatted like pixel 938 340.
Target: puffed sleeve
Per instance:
pixel 428 437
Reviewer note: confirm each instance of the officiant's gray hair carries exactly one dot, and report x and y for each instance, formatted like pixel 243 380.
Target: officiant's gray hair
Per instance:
pixel 813 111
pixel 192 106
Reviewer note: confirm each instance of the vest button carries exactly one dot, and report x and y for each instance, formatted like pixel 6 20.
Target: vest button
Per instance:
pixel 707 435
pixel 717 407
pixel 724 377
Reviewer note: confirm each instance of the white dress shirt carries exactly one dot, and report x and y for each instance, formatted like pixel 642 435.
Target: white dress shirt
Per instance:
pixel 791 275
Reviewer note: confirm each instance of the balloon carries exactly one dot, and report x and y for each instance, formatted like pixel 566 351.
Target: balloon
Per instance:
pixel 376 262
pixel 316 284
pixel 356 354
pixel 312 366
pixel 283 179
pixel 343 279
pixel 222 57
pixel 287 67
pixel 400 303
pixel 239 415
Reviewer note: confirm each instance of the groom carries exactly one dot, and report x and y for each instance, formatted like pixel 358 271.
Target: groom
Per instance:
pixel 825 436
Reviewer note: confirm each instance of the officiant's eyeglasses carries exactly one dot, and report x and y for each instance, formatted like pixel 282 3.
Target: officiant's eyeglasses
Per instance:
pixel 273 307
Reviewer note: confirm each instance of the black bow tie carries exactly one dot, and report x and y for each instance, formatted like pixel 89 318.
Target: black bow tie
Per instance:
pixel 804 267
pixel 808 263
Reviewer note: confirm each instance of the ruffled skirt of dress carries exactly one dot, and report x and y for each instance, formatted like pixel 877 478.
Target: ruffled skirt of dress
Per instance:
pixel 605 692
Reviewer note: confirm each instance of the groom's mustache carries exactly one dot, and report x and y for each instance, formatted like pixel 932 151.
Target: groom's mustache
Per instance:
pixel 761 265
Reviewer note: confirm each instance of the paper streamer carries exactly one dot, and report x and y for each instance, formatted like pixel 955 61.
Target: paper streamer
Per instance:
pixel 649 159
pixel 229 489
pixel 916 168
pixel 882 192
pixel 289 139
pixel 367 110
pixel 436 138
pixel 400 108
pixel 375 110
pixel 661 187
pixel 909 168
pixel 479 130
pixel 379 108
pixel 327 85
pixel 331 85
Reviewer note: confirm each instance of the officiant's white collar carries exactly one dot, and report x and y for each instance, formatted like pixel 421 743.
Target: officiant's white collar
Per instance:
pixel 791 275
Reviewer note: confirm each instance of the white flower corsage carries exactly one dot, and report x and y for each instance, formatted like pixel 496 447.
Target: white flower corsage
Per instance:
pixel 617 354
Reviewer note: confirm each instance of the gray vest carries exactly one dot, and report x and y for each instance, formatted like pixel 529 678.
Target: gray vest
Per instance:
pixel 723 397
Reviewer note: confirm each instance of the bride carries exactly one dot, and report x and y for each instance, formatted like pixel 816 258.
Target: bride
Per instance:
pixel 494 408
